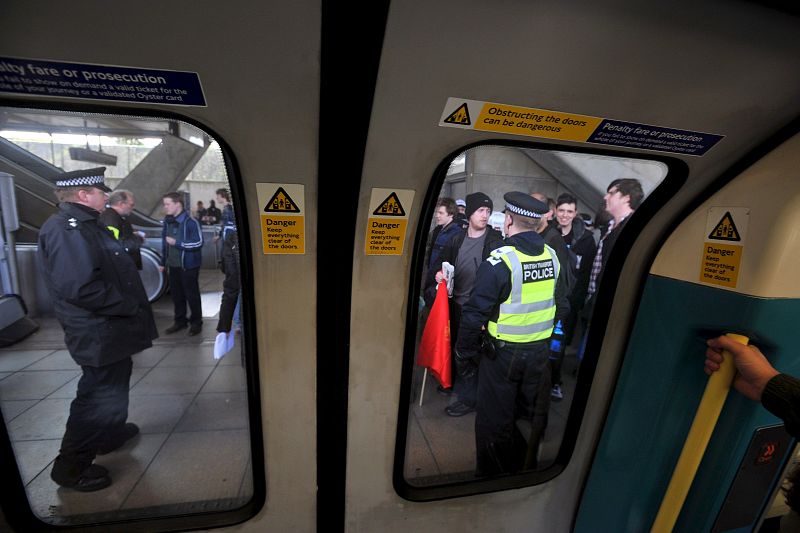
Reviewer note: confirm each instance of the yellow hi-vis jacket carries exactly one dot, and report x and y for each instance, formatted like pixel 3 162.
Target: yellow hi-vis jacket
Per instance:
pixel 528 312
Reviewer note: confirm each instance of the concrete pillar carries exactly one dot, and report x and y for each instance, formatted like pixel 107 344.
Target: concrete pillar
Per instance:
pixel 164 169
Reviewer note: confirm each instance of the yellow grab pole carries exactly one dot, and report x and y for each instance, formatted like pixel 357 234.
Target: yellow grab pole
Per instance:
pixel 719 383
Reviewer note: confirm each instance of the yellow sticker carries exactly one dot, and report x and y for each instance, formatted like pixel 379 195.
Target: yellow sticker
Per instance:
pixel 282 217
pixel 548 124
pixel 388 220
pixel 725 236
pixel 536 122
pixel 720 264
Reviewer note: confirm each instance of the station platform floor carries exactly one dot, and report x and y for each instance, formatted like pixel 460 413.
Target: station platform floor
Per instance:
pixel 441 449
pixel 192 454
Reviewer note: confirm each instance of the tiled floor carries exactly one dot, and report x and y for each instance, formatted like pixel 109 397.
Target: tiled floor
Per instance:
pixel 189 407
pixel 441 448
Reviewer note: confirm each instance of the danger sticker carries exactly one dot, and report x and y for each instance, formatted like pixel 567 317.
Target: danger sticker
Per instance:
pixel 386 226
pixel 726 229
pixel 282 217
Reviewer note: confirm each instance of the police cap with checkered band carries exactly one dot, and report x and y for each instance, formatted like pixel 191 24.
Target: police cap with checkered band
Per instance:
pixel 524 205
pixel 90 177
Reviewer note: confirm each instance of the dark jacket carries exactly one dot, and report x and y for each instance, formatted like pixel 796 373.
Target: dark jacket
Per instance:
pixel 781 397
pixel 438 238
pixel 449 254
pixel 127 237
pixel 492 287
pixel 552 237
pixel 97 294
pixel 582 252
pixel 608 243
pixel 189 240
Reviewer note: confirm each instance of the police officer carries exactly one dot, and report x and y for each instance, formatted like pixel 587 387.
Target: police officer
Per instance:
pixel 519 294
pixel 100 302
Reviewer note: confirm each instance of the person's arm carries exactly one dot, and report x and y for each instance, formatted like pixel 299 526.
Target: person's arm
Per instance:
pixel 560 297
pixel 492 285
pixel 192 236
pixel 758 380
pixel 75 271
pixel 753 369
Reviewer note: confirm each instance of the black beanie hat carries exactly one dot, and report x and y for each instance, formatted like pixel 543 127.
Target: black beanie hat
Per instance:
pixel 475 201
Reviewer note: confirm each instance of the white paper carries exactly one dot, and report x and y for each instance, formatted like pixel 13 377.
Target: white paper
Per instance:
pixel 449 274
pixel 223 344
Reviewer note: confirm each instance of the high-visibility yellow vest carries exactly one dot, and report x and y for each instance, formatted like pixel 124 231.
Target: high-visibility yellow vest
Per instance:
pixel 527 314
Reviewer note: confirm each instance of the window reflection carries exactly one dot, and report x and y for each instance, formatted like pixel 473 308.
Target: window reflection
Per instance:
pixel 187 404
pixel 589 200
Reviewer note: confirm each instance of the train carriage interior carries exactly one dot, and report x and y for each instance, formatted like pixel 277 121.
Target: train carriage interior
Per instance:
pixel 338 130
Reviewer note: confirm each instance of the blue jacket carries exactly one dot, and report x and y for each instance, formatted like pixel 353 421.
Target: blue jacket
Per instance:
pixel 189 240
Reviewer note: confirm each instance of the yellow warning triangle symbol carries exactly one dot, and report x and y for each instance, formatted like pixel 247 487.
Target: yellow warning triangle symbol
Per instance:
pixel 460 116
pixel 281 202
pixel 725 230
pixel 390 207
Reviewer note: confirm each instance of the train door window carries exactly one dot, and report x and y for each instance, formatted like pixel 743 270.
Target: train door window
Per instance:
pixel 178 438
pixel 591 197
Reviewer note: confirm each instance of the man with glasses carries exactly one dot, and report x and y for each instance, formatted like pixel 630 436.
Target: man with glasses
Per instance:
pixel 623 197
pixel 120 205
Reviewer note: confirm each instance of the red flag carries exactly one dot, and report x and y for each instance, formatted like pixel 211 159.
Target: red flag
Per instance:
pixel 434 349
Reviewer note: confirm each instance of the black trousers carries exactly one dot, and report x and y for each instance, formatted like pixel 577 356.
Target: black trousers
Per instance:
pixel 100 408
pixel 185 289
pixel 231 286
pixel 465 388
pixel 510 386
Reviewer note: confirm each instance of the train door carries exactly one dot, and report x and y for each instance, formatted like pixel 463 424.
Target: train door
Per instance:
pixel 246 76
pixel 472 99
pixel 723 269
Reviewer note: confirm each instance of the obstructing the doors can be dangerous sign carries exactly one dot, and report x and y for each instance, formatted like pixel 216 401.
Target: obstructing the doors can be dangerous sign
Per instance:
pixel 283 217
pixel 388 218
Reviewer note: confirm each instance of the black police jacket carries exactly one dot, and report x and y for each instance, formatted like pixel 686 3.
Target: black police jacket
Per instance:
pixel 492 287
pixel 97 294
pixel 129 240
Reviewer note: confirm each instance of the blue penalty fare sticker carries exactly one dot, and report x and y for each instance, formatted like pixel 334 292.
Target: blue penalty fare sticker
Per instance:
pixel 633 135
pixel 100 82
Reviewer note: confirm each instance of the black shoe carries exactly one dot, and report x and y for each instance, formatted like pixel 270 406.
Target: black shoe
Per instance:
pixel 92 478
pixel 459 409
pixel 444 392
pixel 175 327
pixel 194 330
pixel 116 441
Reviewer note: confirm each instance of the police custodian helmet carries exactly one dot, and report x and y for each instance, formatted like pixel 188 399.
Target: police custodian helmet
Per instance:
pixel 90 177
pixel 524 205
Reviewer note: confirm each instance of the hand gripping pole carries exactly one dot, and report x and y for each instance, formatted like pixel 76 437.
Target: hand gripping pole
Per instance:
pixel 705 419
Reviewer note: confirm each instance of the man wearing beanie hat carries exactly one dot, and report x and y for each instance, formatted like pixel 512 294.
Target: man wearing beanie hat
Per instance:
pixel 465 250
pixel 519 295
pixel 100 302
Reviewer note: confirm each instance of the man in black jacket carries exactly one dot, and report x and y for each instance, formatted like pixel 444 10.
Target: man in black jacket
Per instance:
pixel 100 302
pixel 465 251
pixel 581 249
pixel 115 217
pixel 623 197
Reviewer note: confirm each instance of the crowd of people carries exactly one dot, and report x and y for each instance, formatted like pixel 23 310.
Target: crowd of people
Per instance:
pixel 90 256
pixel 514 294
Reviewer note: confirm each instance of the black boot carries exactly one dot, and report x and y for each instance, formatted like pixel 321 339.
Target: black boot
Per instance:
pixel 81 478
